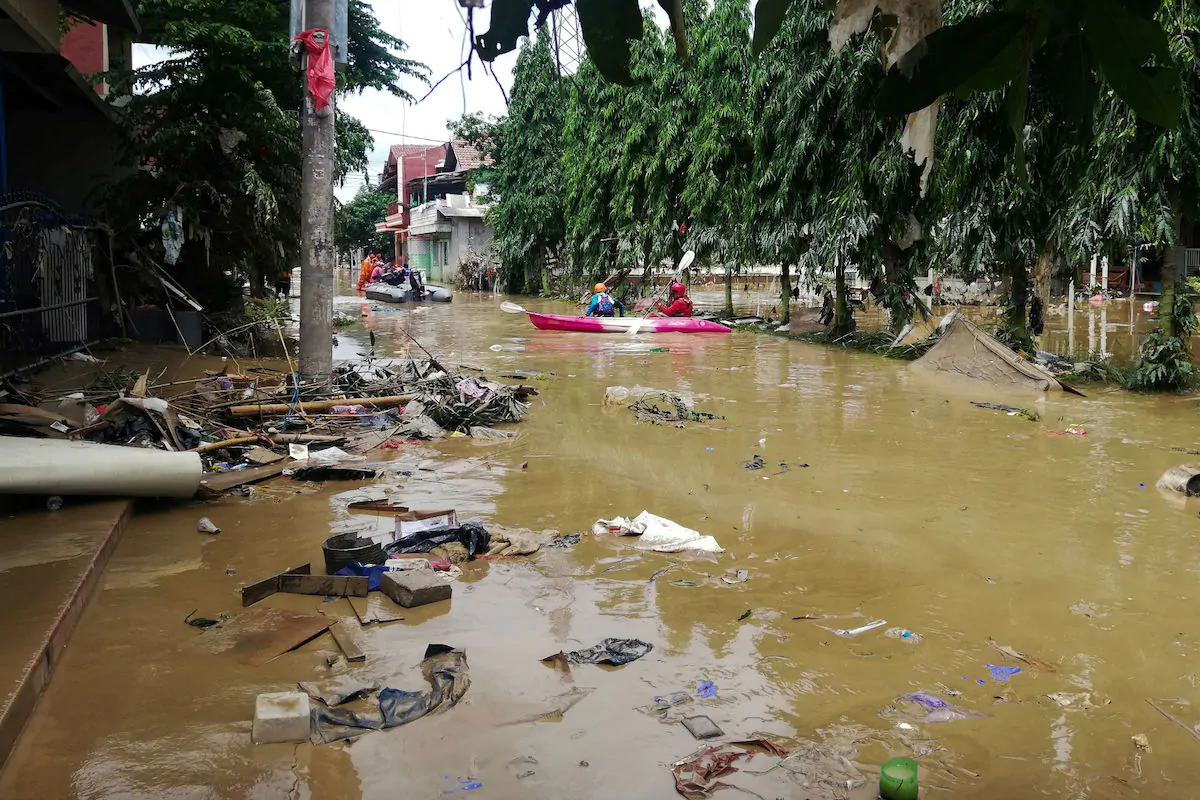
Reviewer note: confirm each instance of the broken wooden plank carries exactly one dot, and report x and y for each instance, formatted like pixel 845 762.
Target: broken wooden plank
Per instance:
pixel 265 588
pixel 373 610
pixel 345 640
pixel 256 636
pixel 224 481
pixel 326 585
pixel 261 455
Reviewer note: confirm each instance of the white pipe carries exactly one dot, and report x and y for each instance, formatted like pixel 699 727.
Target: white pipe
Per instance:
pixel 1071 317
pixel 56 466
pixel 1104 280
pixel 1092 275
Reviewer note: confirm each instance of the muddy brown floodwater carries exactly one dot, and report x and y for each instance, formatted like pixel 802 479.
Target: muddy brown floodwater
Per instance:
pixel 954 522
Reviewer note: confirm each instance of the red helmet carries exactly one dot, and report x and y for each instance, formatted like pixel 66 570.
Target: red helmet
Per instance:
pixel 678 288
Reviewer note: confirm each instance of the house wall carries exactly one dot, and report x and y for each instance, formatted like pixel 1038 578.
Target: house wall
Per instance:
pixel 467 235
pixel 48 152
pixel 86 46
pixel 37 19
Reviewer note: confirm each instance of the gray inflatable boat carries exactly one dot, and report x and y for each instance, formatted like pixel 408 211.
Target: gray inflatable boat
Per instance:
pixel 403 293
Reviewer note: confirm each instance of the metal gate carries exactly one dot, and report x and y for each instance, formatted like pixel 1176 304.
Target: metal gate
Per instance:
pixel 49 302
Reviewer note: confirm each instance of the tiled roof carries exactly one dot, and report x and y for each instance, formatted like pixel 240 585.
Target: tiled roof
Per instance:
pixel 401 150
pixel 468 157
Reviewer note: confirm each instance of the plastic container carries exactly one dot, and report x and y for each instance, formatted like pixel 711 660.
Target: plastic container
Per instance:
pixel 898 779
pixel 340 550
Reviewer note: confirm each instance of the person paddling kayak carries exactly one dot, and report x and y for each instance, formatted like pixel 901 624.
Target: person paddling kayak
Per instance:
pixel 680 305
pixel 603 304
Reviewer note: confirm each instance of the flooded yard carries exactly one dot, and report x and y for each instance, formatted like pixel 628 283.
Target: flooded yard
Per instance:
pixel 883 494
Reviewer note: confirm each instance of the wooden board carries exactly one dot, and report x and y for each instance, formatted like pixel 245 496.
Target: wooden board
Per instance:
pixel 300 580
pixel 373 610
pixel 224 481
pixel 256 636
pixel 265 588
pixel 327 585
pixel 346 640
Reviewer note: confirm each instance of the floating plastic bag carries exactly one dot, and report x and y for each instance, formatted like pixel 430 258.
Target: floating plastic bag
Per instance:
pixel 922 707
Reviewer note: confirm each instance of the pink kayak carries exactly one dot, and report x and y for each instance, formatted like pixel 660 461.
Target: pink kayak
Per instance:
pixel 558 322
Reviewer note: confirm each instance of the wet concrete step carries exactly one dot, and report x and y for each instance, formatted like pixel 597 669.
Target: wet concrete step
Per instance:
pixel 50 564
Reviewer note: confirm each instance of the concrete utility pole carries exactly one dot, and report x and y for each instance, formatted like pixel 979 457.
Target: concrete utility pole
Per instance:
pixel 317 256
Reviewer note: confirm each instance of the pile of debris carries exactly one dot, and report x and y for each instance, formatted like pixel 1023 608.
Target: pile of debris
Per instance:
pixel 228 429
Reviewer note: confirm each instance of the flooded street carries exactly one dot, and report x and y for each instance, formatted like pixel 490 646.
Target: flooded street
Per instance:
pixel 884 494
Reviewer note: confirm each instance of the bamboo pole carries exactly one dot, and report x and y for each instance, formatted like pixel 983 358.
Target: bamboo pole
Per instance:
pixel 204 448
pixel 316 406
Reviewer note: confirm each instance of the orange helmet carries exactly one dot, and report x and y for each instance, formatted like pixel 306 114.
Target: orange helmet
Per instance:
pixel 599 287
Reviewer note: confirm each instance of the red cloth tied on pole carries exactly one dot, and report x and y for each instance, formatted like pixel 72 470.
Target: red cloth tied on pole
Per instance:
pixel 321 80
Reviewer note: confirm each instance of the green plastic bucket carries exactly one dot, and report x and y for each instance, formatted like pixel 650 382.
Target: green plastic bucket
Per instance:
pixel 898 780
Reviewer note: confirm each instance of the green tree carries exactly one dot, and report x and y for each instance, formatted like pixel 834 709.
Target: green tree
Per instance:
pixel 355 224
pixel 591 166
pixel 215 125
pixel 719 173
pixel 1145 183
pixel 528 175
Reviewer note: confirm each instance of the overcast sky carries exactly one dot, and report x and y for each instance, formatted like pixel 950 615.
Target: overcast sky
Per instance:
pixel 434 31
pixel 435 34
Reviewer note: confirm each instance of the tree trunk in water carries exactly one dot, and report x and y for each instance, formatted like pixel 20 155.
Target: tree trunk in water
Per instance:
pixel 1018 295
pixel 647 287
pixel 785 293
pixel 729 288
pixel 1170 269
pixel 843 318
pixel 1043 273
pixel 545 270
pixel 898 316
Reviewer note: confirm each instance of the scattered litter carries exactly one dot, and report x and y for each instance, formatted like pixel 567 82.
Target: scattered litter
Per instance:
pixel 1073 430
pixel 1028 659
pixel 658 534
pixel 559 706
pixel 1142 742
pixel 325 473
pixel 1000 672
pixel 746 614
pixel 923 707
pixel 706 689
pixel 200 622
pixel 684 583
pixel 614 652
pixel 565 542
pixel 1081 700
pixel 205 525
pixel 739 576
pixel 700 774
pixel 658 572
pixel 1184 479
pixel 668 408
pixel 851 632
pixel 444 669
pixel 340 690
pixel 754 463
pixel 1190 730
pixel 905 635
pixel 669 709
pixel 701 727
pixel 996 407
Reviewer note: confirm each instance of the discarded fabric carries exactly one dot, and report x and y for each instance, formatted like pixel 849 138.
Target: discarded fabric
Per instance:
pixel 658 534
pixel 699 775
pixel 444 668
pixel 615 652
pixel 471 535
